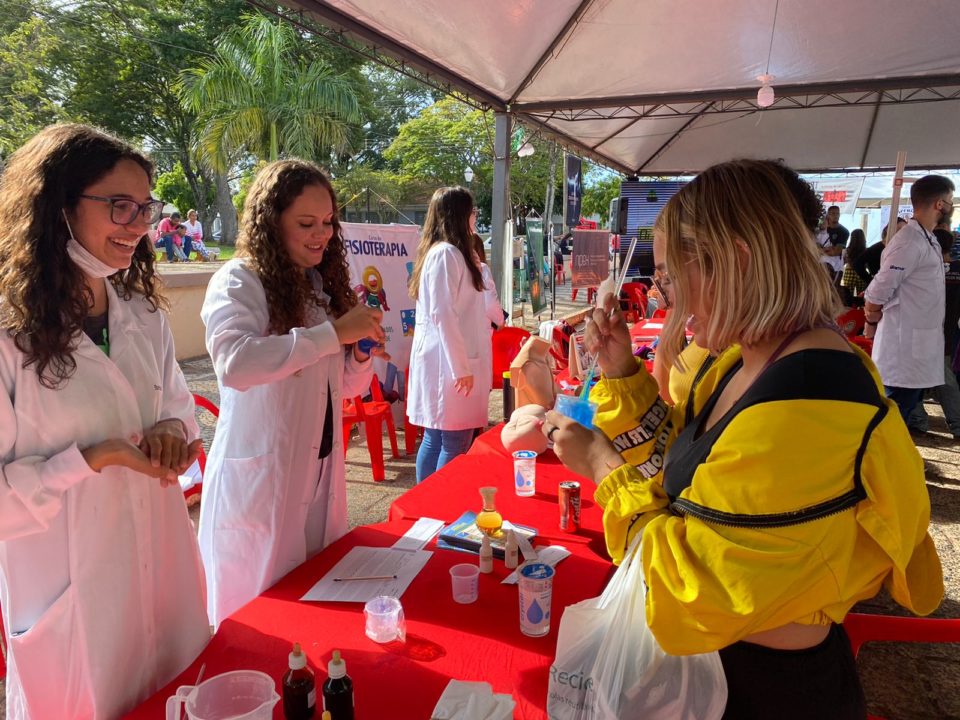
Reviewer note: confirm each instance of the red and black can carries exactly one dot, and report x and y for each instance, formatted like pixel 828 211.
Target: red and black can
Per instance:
pixel 569 496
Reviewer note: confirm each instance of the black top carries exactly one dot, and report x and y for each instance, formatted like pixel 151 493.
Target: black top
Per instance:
pixel 838 235
pixel 868 264
pixel 96 327
pixel 952 315
pixel 817 374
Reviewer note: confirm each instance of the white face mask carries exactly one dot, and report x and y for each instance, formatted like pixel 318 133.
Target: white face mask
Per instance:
pixel 91 266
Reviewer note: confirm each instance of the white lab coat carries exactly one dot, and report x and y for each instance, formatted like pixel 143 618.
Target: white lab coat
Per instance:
pixel 451 340
pixel 908 347
pixel 100 577
pixel 491 300
pixel 269 502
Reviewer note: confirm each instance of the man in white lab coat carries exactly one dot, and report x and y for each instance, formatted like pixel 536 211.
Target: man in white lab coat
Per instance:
pixel 905 301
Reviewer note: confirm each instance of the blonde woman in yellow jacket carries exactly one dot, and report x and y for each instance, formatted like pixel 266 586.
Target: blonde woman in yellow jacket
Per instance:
pixel 790 492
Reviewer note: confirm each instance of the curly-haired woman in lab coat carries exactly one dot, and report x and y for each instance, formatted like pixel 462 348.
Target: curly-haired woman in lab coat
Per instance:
pixel 282 326
pixel 100 578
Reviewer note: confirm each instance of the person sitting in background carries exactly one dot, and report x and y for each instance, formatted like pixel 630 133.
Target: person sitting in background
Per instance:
pixel 948 394
pixel 182 243
pixel 166 231
pixel 793 492
pixel 851 284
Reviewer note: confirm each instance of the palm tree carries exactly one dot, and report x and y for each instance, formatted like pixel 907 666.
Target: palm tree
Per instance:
pixel 257 94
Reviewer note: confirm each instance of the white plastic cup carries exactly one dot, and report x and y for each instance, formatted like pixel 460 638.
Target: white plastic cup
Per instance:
pixel 384 619
pixel 465 579
pixel 536 594
pixel 525 472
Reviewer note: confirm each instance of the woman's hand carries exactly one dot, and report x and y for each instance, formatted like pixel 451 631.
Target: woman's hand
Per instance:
pixel 166 445
pixel 608 337
pixel 585 452
pixel 464 385
pixel 359 322
pixel 377 351
pixel 126 454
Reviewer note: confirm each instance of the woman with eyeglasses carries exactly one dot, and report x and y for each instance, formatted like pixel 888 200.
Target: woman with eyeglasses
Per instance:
pixel 791 489
pixel 101 583
pixel 451 362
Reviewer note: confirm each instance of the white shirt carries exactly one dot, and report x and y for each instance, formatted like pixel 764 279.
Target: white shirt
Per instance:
pixel 835 262
pixel 908 347
pixel 194 229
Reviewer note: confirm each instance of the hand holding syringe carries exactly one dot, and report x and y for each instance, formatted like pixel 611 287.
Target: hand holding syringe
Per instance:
pixel 607 338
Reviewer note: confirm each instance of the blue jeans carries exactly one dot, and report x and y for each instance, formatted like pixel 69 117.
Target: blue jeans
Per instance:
pixel 905 398
pixel 187 246
pixel 948 395
pixel 440 447
pixel 166 242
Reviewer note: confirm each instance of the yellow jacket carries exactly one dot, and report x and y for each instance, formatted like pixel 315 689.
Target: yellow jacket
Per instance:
pixel 738 552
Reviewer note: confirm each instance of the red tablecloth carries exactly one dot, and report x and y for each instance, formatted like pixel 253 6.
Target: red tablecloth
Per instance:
pixel 454 489
pixel 445 641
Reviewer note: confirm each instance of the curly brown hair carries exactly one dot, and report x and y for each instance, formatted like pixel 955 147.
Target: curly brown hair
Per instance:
pixel 45 297
pixel 287 288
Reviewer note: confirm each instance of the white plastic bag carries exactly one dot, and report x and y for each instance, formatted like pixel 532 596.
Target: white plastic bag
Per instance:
pixel 609 665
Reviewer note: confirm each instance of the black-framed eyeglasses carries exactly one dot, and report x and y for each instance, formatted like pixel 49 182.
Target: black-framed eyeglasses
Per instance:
pixel 124 211
pixel 661 281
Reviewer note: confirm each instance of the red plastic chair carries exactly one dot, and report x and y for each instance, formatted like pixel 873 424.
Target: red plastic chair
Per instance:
pixel 559 272
pixel 863 628
pixel 202 402
pixel 590 293
pixel 852 322
pixel 507 342
pixel 372 414
pixel 633 299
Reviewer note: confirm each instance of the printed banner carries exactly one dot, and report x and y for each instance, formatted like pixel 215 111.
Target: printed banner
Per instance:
pixel 538 300
pixel 590 264
pixel 573 189
pixel 842 192
pixel 381 261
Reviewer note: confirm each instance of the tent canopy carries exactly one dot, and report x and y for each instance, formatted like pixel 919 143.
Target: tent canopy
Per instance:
pixel 668 87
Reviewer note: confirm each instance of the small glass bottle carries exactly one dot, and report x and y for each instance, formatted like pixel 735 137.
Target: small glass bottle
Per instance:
pixel 489 521
pixel 299 688
pixel 338 690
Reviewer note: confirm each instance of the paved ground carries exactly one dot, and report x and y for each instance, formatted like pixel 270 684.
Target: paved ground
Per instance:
pixel 902 681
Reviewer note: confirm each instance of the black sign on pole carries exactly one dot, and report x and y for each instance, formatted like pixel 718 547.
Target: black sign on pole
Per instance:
pixel 573 189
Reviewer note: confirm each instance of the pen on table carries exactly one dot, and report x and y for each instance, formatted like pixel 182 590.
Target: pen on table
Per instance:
pixel 370 577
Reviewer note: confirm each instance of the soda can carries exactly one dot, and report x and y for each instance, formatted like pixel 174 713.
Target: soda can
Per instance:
pixel 536 593
pixel 569 498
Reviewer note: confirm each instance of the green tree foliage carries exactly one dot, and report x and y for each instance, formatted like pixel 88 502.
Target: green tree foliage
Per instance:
pixel 26 85
pixel 447 137
pixel 259 95
pixel 172 187
pixel 600 187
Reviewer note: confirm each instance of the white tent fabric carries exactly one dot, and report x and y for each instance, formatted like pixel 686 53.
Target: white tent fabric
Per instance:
pixel 669 86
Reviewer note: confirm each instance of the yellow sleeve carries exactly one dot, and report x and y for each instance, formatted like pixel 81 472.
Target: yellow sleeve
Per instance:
pixel 635 418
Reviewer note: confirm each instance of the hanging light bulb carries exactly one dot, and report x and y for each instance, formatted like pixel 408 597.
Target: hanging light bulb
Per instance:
pixel 526 150
pixel 765 95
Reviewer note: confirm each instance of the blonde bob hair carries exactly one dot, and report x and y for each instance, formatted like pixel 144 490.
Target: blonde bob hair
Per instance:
pixel 760 269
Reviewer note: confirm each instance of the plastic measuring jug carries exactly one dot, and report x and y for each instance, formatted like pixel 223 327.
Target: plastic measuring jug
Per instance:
pixel 237 695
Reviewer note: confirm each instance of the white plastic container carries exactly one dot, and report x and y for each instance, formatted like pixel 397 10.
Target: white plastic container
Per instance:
pixel 237 695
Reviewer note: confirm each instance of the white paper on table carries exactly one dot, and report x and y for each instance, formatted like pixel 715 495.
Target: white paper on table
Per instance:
pixel 422 532
pixel 550 555
pixel 364 561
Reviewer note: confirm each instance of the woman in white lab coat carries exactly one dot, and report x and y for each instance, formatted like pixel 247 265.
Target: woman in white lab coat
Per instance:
pixel 451 362
pixel 100 577
pixel 282 325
